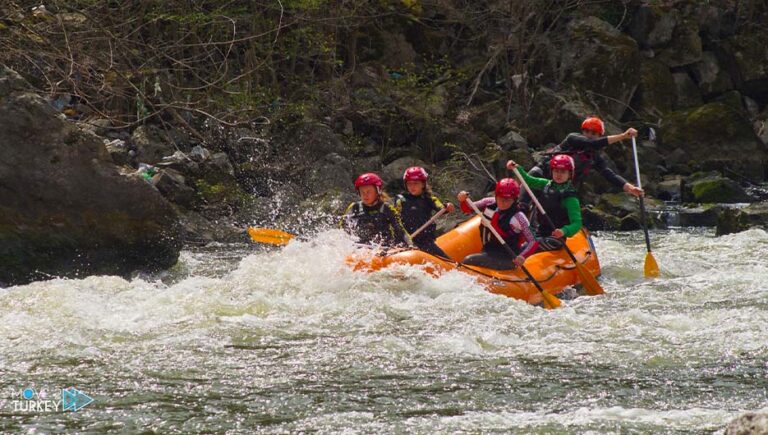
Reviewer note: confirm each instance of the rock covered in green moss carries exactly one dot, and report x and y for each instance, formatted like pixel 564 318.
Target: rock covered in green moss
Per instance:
pixel 713 188
pixel 731 220
pixel 713 135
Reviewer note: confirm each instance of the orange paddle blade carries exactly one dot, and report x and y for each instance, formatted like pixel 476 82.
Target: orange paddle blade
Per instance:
pixel 651 267
pixel 591 286
pixel 269 235
pixel 550 301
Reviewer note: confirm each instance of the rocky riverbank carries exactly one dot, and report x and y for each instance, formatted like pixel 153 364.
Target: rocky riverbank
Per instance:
pixel 83 191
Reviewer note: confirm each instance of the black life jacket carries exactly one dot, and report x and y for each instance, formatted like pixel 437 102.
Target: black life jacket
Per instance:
pixel 500 220
pixel 584 159
pixel 370 224
pixel 551 200
pixel 415 211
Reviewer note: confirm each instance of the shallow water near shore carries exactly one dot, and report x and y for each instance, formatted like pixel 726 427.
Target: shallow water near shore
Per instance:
pixel 243 339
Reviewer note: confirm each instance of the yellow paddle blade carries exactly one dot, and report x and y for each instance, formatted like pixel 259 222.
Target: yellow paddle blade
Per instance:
pixel 550 301
pixel 651 268
pixel 269 235
pixel 591 286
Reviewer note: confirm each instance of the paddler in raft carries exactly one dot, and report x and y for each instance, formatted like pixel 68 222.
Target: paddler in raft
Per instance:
pixel 373 220
pixel 558 198
pixel 416 206
pixel 585 149
pixel 510 223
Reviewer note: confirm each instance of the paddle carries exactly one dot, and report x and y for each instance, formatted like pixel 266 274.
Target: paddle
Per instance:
pixel 651 268
pixel 591 286
pixel 269 235
pixel 278 237
pixel 429 222
pixel 550 301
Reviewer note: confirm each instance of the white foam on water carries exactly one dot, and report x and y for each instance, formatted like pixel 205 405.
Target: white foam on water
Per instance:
pixel 708 312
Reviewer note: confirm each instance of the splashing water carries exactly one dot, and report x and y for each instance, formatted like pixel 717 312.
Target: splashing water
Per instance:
pixel 243 339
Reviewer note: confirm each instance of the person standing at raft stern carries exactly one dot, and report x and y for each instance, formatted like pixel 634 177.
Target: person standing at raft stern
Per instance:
pixel 372 219
pixel 558 198
pixel 416 207
pixel 585 150
pixel 510 223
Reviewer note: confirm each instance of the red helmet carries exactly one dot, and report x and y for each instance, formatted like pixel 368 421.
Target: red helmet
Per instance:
pixel 562 161
pixel 507 188
pixel 415 173
pixel 369 179
pixel 593 124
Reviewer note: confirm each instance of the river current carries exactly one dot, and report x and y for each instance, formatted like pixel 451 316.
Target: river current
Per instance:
pixel 244 339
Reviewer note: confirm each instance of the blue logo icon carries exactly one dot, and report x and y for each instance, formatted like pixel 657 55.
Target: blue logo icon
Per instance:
pixel 73 399
pixel 28 393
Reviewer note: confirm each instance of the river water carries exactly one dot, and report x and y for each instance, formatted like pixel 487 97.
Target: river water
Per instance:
pixel 246 339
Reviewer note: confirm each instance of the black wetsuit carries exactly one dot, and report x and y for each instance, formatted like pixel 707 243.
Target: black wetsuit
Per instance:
pixel 378 224
pixel 586 156
pixel 415 211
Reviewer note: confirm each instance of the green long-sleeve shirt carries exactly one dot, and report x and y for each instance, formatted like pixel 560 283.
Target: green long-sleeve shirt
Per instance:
pixel 570 204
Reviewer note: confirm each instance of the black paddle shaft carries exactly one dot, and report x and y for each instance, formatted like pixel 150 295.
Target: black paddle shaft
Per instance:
pixel 645 226
pixel 567 249
pixel 525 269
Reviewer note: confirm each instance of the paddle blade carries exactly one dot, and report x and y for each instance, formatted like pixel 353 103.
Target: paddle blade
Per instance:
pixel 269 235
pixel 651 268
pixel 591 286
pixel 550 301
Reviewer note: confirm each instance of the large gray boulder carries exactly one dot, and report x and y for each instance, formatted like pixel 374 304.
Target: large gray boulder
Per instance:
pixel 65 209
pixel 602 62
pixel 746 58
pixel 716 136
pixel 685 48
pixel 653 26
pixel 712 79
pixel 657 89
pixel 713 188
pixel 687 94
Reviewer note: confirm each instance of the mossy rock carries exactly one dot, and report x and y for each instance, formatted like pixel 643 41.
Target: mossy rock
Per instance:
pixel 597 220
pixel 618 204
pixel 657 87
pixel 731 99
pixel 716 135
pixel 713 188
pixel 707 124
pixel 731 221
pixel 699 215
pixel 220 192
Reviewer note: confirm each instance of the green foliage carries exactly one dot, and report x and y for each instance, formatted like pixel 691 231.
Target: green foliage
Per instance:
pixel 220 192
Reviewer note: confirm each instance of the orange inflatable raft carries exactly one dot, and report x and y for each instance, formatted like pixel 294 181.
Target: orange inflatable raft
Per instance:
pixel 554 270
